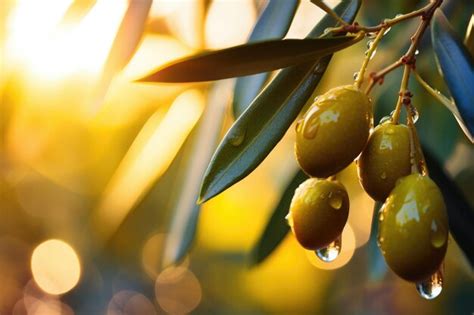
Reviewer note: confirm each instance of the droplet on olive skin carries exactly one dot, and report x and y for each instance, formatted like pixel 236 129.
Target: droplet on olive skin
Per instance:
pixel 334 132
pixel 319 222
pixel 413 246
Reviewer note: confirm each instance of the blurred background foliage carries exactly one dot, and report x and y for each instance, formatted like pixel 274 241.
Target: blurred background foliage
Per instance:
pixel 93 182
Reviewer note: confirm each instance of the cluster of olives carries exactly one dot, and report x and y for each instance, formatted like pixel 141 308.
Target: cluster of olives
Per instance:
pixel 413 224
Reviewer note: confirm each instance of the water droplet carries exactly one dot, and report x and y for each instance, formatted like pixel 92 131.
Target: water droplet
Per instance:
pixel 330 252
pixel 385 119
pixel 299 126
pixel 386 31
pixel 369 44
pixel 371 35
pixel 327 31
pixel 438 234
pixel 413 112
pixel 383 175
pixel 311 123
pixel 289 219
pixel 335 201
pixel 381 217
pixel 398 15
pixel 237 137
pixel 356 76
pixel 431 287
pixel 417 52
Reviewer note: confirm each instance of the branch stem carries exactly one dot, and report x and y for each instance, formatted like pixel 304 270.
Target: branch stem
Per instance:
pixel 370 52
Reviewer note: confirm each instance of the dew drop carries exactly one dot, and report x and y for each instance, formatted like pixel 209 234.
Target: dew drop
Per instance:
pixel 385 119
pixel 380 240
pixel 327 31
pixel 431 287
pixel 330 252
pixel 369 44
pixel 413 113
pixel 371 35
pixel 438 235
pixel 237 137
pixel 299 126
pixel 381 217
pixel 311 123
pixel 387 30
pixel 398 15
pixel 289 219
pixel 335 201
pixel 383 175
pixel 417 52
pixel 356 76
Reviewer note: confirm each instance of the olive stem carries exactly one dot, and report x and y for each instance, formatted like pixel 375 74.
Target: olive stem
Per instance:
pixel 323 6
pixel 370 52
pixel 419 163
pixel 402 95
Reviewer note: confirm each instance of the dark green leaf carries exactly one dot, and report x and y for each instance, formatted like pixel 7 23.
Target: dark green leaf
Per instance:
pixel 249 59
pixel 277 227
pixel 273 23
pixel 460 213
pixel 265 122
pixel 377 266
pixel 456 66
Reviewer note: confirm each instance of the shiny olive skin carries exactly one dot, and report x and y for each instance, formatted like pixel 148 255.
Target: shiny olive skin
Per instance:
pixel 384 160
pixel 318 212
pixel 333 131
pixel 413 228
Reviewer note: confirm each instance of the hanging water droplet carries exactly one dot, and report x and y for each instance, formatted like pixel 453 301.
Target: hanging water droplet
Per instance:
pixel 387 30
pixel 431 287
pixel 373 54
pixel 335 201
pixel 413 112
pixel 371 35
pixel 356 76
pixel 369 44
pixel 237 137
pixel 330 252
pixel 385 119
pixel 381 217
pixel 438 235
pixel 289 219
pixel 417 52
pixel 383 175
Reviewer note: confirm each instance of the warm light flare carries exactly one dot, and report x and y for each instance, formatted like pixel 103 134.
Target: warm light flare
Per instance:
pixel 36 42
pixel 148 158
pixel 55 267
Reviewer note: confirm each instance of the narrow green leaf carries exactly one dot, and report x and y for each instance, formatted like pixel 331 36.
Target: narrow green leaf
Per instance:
pixel 185 211
pixel 457 67
pixel 460 212
pixel 277 227
pixel 273 23
pixel 249 59
pixel 376 265
pixel 265 122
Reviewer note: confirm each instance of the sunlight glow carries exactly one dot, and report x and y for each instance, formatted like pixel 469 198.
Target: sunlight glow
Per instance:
pixel 55 267
pixel 36 43
pixel 148 158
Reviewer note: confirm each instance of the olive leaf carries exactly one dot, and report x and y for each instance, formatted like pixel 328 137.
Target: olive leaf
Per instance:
pixel 125 43
pixel 277 227
pixel 460 212
pixel 457 67
pixel 264 123
pixel 273 23
pixel 469 39
pixel 377 267
pixel 249 59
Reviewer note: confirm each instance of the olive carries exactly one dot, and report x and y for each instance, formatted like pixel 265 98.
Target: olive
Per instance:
pixel 413 228
pixel 318 212
pixel 385 159
pixel 333 131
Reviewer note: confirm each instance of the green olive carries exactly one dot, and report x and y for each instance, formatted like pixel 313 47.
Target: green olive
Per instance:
pixel 318 212
pixel 385 159
pixel 333 131
pixel 413 228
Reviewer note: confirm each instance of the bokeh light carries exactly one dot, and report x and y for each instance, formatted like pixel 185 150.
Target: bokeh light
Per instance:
pixel 177 290
pixel 55 266
pixel 130 303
